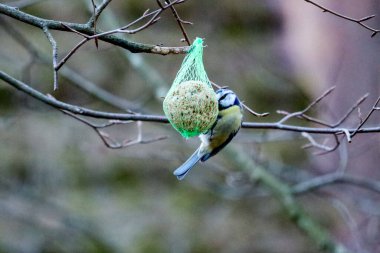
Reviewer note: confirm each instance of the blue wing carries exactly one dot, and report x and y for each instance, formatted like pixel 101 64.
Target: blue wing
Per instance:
pixel 181 172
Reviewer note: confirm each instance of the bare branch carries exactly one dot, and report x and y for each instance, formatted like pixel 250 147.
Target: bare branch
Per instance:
pixel 179 21
pixel 93 24
pixel 110 142
pixel 302 115
pixel 76 79
pixel 307 108
pixel 85 29
pixel 55 55
pixel 374 108
pixel 315 144
pixel 348 135
pixel 359 21
pixel 341 120
pixel 75 31
pixel 161 119
pixel 69 54
pixel 348 113
pixel 244 105
pixel 264 114
pixel 96 12
pixel 335 178
pixel 77 109
pixel 154 17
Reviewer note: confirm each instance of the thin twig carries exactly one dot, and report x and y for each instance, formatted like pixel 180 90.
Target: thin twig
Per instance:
pixel 69 54
pixel 95 18
pixel 307 108
pixel 244 105
pixel 154 17
pixel 75 31
pixel 110 142
pixel 374 108
pixel 341 120
pixel 302 115
pixel 76 79
pixel 356 105
pixel 179 21
pixel 55 55
pixel 359 21
pixel 97 11
pixel 348 135
pixel 315 144
pixel 85 29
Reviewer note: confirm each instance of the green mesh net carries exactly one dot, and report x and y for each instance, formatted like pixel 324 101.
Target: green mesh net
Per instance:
pixel 192 66
pixel 191 105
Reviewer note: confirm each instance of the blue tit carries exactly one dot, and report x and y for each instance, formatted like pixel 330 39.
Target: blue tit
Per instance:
pixel 220 134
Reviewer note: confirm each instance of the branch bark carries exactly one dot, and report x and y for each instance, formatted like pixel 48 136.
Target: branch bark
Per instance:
pixel 162 119
pixel 134 47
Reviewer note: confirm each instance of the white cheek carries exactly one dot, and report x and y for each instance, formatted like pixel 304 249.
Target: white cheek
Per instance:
pixel 228 101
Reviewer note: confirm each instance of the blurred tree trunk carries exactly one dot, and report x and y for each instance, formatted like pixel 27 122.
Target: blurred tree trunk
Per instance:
pixel 324 51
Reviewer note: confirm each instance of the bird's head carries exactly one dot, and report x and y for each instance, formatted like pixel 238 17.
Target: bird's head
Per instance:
pixel 227 98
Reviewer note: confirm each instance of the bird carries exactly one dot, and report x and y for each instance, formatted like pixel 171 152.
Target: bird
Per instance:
pixel 226 126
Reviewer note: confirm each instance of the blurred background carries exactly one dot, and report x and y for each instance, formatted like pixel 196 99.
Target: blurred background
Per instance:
pixel 63 190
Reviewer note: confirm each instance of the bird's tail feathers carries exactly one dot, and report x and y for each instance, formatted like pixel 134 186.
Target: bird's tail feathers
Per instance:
pixel 182 171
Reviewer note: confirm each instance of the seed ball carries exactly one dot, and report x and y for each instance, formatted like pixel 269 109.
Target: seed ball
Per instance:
pixel 191 108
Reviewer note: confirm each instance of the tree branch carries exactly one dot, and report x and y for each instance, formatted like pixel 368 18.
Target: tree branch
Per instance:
pixel 336 178
pixel 154 16
pixel 110 142
pixel 179 21
pixel 134 47
pixel 77 109
pixel 162 119
pixel 96 13
pixel 301 113
pixel 363 121
pixel 54 56
pixel 76 79
pixel 321 146
pixel 243 104
pixel 359 21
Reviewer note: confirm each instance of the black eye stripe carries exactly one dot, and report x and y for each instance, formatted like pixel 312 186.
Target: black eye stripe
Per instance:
pixel 223 97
